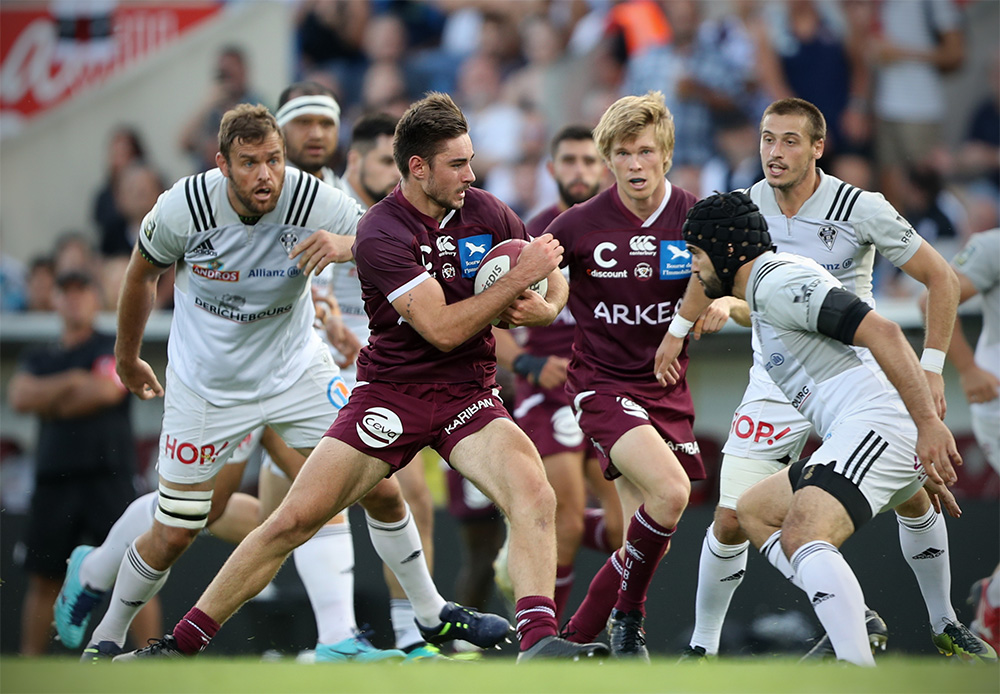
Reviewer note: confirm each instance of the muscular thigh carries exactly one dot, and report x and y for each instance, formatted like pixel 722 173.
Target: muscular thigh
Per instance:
pixel 499 459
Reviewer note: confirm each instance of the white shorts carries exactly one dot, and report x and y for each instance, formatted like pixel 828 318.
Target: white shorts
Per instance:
pixel 876 454
pixel 765 426
pixel 986 429
pixel 739 474
pixel 198 438
pixel 247 446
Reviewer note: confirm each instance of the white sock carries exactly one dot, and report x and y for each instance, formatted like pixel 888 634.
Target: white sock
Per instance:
pixel 136 585
pixel 99 569
pixel 720 573
pixel 836 596
pixel 401 615
pixel 398 545
pixel 924 542
pixel 325 564
pixel 771 549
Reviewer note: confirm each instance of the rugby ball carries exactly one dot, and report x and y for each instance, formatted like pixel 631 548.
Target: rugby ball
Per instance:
pixel 497 263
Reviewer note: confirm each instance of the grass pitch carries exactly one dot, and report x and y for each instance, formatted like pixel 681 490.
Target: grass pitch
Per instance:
pixel 906 675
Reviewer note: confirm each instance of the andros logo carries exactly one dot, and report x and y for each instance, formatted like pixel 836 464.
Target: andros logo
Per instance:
pixel 379 427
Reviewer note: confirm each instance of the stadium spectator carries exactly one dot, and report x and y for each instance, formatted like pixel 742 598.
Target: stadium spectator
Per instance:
pixel 231 86
pixel 915 45
pixel 697 80
pixel 40 285
pixel 85 455
pixel 124 148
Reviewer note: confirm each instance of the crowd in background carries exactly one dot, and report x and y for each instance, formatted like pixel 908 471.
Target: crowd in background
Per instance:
pixel 521 70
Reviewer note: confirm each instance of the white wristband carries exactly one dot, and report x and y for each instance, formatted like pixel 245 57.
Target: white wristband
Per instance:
pixel 680 326
pixel 932 360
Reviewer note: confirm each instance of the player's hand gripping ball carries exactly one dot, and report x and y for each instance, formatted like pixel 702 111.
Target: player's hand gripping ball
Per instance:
pixel 497 263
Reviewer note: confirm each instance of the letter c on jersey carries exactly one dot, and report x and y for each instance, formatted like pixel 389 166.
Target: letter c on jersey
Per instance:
pixel 599 258
pixel 379 427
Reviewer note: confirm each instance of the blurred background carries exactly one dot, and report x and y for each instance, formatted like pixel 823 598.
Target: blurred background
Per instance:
pixel 104 104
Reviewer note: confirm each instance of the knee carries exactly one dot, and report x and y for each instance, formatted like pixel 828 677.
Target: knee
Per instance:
pixel 669 500
pixel 916 506
pixel 569 529
pixel 287 528
pixel 727 526
pixel 532 498
pixel 384 502
pixel 173 541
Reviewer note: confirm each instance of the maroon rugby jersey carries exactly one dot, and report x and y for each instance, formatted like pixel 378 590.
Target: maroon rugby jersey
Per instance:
pixel 555 339
pixel 626 279
pixel 397 247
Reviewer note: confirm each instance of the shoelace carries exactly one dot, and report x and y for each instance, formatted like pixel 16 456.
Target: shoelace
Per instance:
pixel 963 638
pixel 632 635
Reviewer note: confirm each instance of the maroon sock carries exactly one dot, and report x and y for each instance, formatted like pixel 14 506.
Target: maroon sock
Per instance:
pixel 595 532
pixel 592 615
pixel 194 632
pixel 645 544
pixel 536 618
pixel 564 586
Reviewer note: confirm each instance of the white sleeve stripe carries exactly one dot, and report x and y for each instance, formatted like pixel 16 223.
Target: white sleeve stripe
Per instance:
pixel 408 286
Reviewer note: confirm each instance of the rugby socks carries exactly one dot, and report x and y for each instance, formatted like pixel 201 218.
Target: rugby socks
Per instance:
pixel 645 544
pixel 136 585
pixel 836 596
pixel 195 631
pixel 720 572
pixel 564 586
pixel 325 564
pixel 536 618
pixel 924 543
pixel 99 568
pixel 771 549
pixel 595 532
pixel 398 545
pixel 591 617
pixel 403 624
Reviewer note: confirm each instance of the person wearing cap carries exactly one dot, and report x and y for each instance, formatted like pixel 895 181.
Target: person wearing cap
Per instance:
pixel 85 456
pixel 246 238
pixel 873 409
pixel 841 227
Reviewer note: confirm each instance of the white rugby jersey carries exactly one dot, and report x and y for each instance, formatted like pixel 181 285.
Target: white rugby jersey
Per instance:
pixel 243 313
pixel 980 262
pixel 342 278
pixel 840 227
pixel 823 378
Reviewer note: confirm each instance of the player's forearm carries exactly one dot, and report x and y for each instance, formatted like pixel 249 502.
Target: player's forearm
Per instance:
pixel 894 354
pixel 960 352
pixel 88 395
pixel 942 307
pixel 136 302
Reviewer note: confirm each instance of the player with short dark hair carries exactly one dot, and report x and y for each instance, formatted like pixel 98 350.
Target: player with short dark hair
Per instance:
pixel 426 378
pixel 809 322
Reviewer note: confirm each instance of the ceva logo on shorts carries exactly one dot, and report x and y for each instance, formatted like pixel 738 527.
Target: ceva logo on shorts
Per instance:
pixel 379 427
pixel 675 260
pixel 471 250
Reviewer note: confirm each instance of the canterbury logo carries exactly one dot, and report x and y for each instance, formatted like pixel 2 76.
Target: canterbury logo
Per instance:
pixel 929 553
pixel 643 244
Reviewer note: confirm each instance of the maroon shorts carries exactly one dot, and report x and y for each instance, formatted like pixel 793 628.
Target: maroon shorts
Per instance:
pixel 547 417
pixel 394 421
pixel 606 418
pixel 465 501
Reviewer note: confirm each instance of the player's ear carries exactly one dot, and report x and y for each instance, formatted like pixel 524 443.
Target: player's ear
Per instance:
pixel 220 161
pixel 418 167
pixel 818 147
